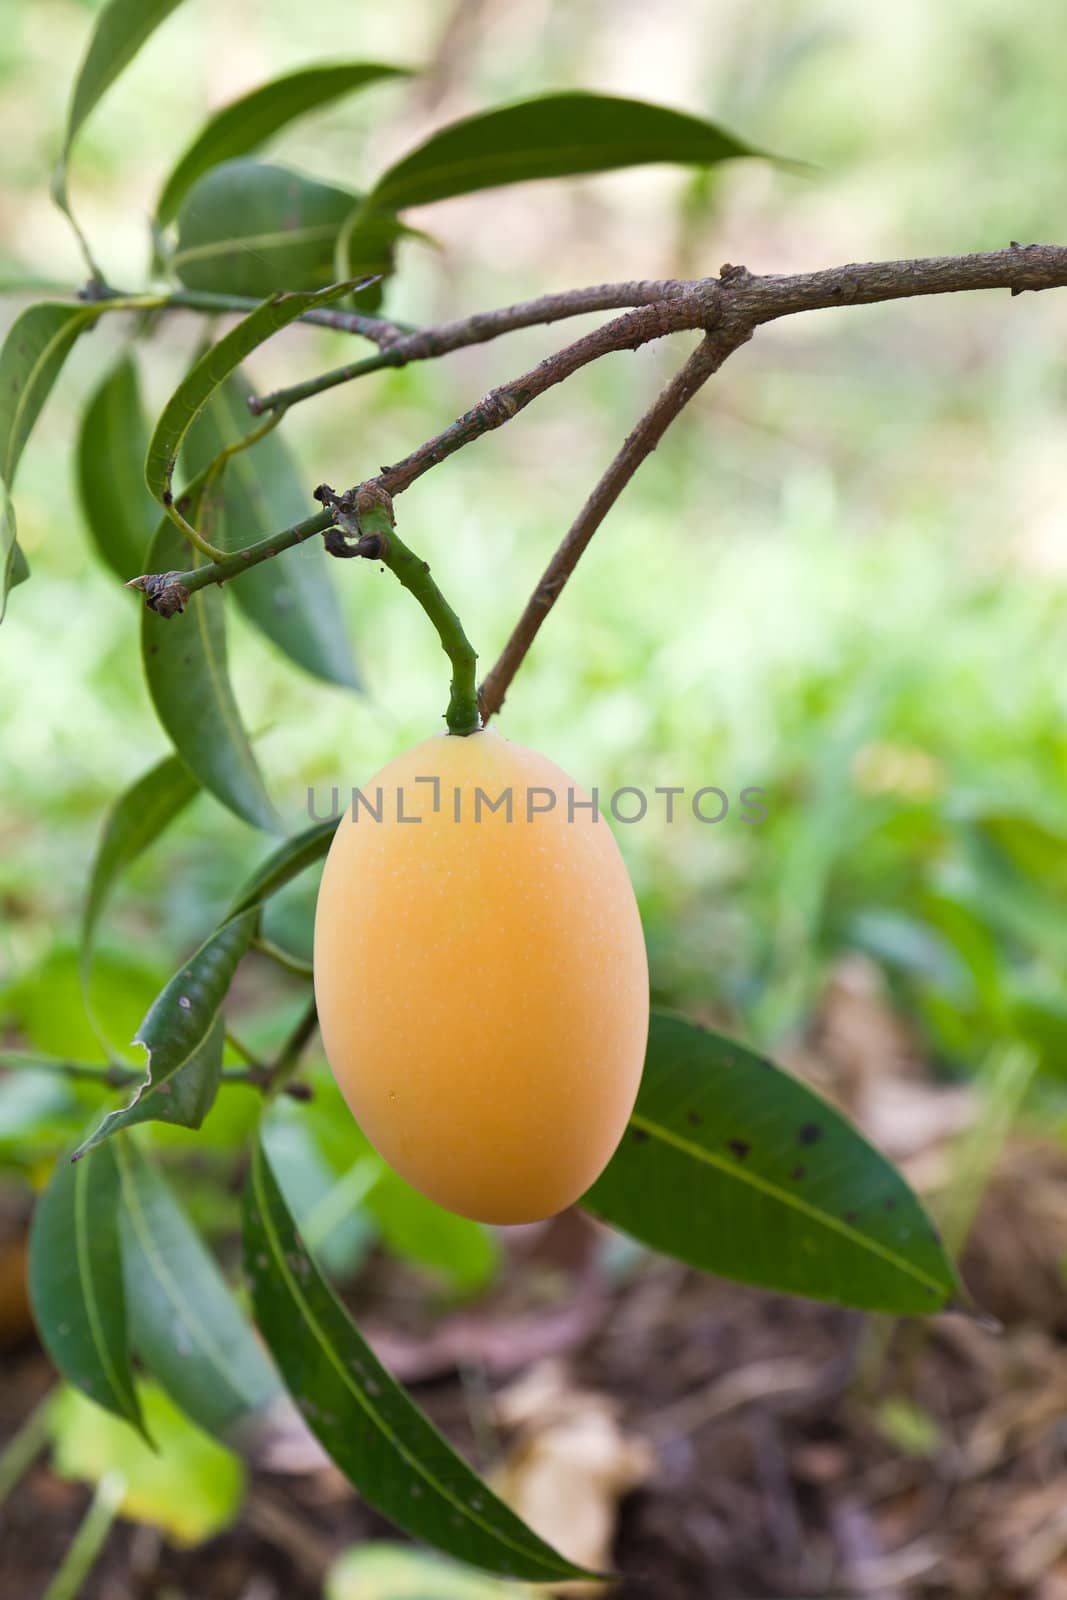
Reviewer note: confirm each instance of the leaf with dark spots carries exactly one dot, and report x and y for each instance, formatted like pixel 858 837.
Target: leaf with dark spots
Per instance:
pixel 810 1133
pixel 183 1036
pixel 742 1207
pixel 186 1098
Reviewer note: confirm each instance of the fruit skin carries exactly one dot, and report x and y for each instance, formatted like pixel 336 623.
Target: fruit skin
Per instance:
pixel 482 985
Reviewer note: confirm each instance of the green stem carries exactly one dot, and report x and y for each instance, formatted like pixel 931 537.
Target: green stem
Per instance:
pixel 291 963
pixel 374 328
pixel 342 321
pixel 90 1538
pixel 244 1051
pixel 253 437
pixel 232 566
pixel 292 395
pixel 117 1076
pixel 462 715
pixel 197 540
pixel 288 1057
pixel 23 1448
pixel 201 485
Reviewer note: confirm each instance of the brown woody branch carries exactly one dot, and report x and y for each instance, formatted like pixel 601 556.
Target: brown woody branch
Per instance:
pixel 726 309
pixel 697 308
pixel 706 359
pixel 428 343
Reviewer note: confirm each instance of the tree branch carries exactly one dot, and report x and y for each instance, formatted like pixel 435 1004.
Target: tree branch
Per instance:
pixel 1020 267
pixel 377 329
pixel 727 309
pixel 705 360
pixel 277 1075
pixel 117 1076
pixel 699 308
pixel 428 343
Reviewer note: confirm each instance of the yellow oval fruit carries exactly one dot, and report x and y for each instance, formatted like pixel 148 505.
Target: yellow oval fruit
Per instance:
pixel 481 977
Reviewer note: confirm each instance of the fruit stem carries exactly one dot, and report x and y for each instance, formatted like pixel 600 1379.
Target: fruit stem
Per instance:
pixel 380 541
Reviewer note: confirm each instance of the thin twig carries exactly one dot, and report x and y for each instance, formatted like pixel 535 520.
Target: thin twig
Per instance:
pixel 90 1538
pixel 377 329
pixel 706 359
pixel 168 592
pixel 282 958
pixel 628 332
pixel 117 1076
pixel 428 343
pixel 25 1445
pixel 288 1057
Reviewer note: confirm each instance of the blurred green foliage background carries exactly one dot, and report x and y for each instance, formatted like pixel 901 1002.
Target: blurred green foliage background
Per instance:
pixel 841 578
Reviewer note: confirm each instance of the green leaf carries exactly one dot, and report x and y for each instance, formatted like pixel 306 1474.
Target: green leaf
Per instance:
pixel 37 344
pixel 1039 1018
pixel 182 1034
pixel 386 1447
pixel 47 1006
pixel 75 1279
pixel 12 571
pixel 740 1169
pixel 291 599
pixel 246 124
pixel 20 570
pixel 551 136
pixel 325 1200
pixel 251 229
pixel 416 1229
pixel 189 1487
pixel 383 1571
pixel 112 444
pixel 213 368
pixel 121 29
pixel 185 1324
pixel 286 863
pixel 186 1101
pixel 187 676
pixel 135 821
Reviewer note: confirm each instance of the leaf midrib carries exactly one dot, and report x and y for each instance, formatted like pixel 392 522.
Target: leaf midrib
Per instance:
pixel 227 705
pixel 361 1399
pixel 138 1221
pixel 790 1201
pixel 249 242
pixel 85 1278
pixel 625 154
